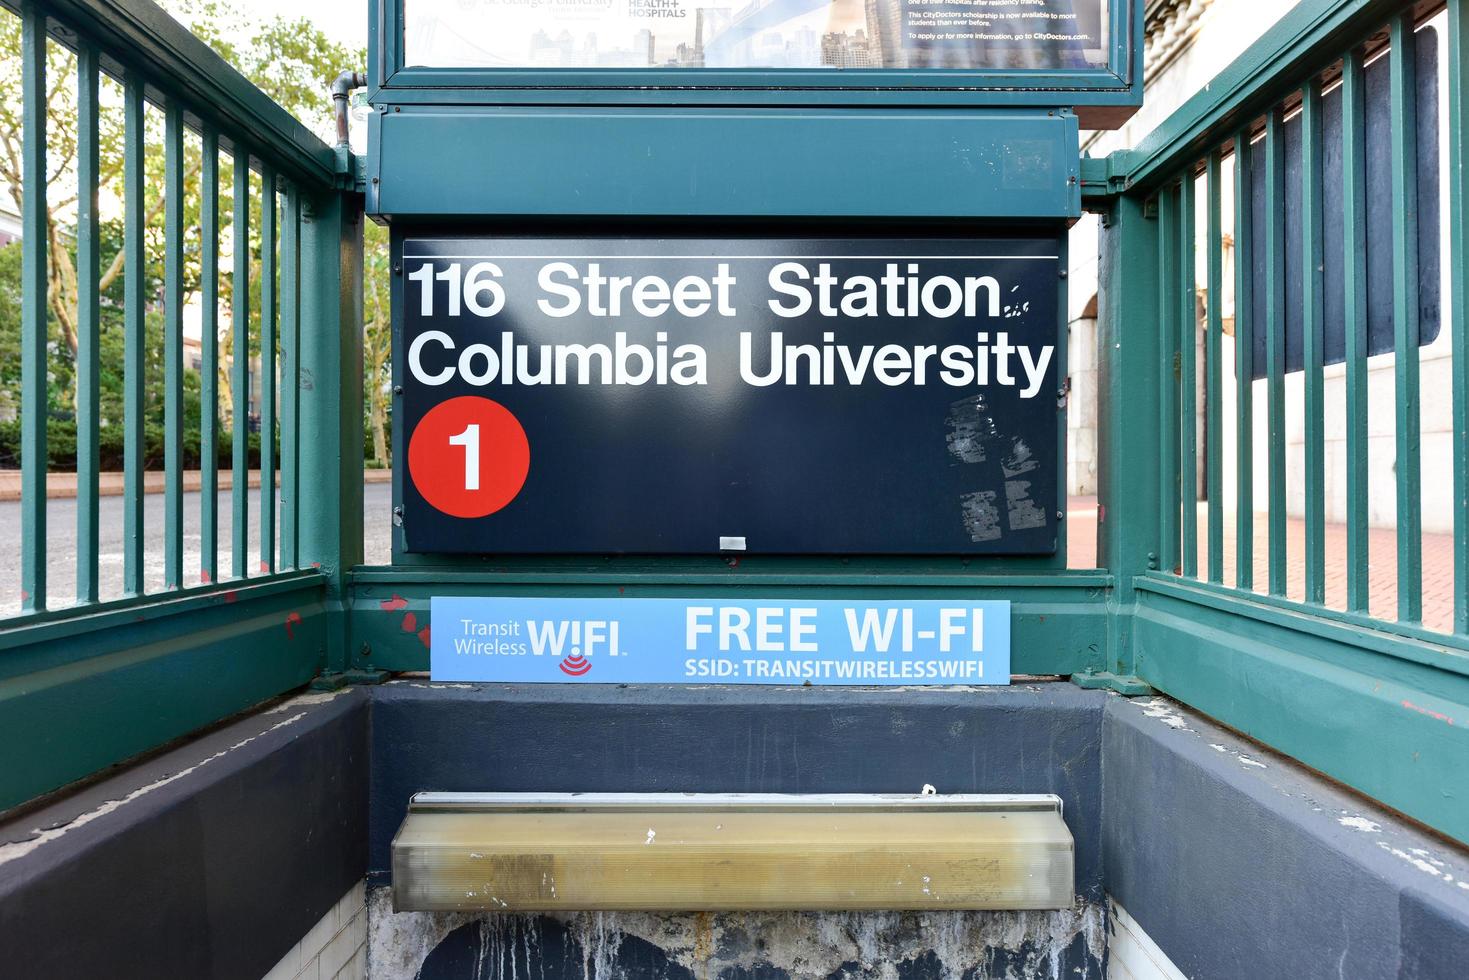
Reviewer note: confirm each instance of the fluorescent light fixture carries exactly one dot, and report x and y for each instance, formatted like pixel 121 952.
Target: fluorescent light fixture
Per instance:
pixel 669 852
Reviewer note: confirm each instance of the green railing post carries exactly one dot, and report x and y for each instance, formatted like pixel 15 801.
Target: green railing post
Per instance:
pixel 329 403
pixel 1131 339
pixel 33 312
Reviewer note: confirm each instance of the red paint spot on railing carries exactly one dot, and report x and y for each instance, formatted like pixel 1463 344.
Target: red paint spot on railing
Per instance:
pixel 1436 715
pixel 293 619
pixel 204 576
pixel 424 638
pixel 265 568
pixel 394 604
pixel 231 596
pixel 410 623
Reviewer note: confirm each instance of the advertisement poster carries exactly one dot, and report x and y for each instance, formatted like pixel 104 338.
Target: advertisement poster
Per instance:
pixel 745 396
pixel 833 34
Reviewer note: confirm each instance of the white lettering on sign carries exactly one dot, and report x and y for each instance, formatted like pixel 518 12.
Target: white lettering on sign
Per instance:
pixel 797 289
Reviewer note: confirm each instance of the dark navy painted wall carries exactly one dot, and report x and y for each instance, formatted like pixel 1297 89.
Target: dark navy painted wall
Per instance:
pixel 1240 863
pixel 208 861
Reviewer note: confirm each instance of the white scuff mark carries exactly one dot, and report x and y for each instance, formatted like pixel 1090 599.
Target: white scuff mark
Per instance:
pixel 651 834
pixel 443 687
pixel 1164 711
pixel 1245 760
pixel 19 849
pixel 1427 867
pixel 928 790
pixel 306 700
pixel 1217 748
pixel 399 942
pixel 1360 823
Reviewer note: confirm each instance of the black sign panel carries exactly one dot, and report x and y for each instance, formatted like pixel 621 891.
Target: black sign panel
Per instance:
pixel 678 396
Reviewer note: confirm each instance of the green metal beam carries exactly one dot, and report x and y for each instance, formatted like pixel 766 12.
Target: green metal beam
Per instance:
pixel 209 359
pixel 173 347
pixel 134 334
pixel 1132 341
pixel 1391 727
pixel 1313 327
pixel 1244 359
pixel 330 529
pixel 33 316
pixel 93 690
pixel 1275 248
pixel 1458 181
pixel 1213 367
pixel 1306 39
pixel 1354 316
pixel 88 325
pixel 240 372
pixel 1403 72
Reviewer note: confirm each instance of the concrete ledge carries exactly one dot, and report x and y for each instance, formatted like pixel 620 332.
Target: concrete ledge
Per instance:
pixel 208 861
pixel 1240 863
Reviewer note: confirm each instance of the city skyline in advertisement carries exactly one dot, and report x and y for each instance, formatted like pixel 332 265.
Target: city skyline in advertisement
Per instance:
pixel 945 34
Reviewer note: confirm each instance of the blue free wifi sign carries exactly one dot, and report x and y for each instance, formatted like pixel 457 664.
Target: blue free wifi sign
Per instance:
pixel 701 641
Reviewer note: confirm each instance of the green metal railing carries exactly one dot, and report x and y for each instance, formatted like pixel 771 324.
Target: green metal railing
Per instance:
pixel 125 672
pixel 1301 659
pixel 1377 702
pixel 1234 157
pixel 275 253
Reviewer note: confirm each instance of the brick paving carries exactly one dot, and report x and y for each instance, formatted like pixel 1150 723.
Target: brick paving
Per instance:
pixel 1382 558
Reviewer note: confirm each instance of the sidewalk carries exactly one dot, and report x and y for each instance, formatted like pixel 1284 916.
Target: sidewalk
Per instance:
pixel 63 486
pixel 1382 568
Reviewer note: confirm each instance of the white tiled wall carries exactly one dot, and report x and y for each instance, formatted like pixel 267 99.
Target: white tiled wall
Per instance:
pixel 335 948
pixel 1132 954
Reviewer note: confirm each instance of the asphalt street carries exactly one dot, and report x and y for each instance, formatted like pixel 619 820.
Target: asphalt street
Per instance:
pixel 61 536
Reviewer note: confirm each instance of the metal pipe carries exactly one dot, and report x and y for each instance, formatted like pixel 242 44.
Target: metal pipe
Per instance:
pixel 341 91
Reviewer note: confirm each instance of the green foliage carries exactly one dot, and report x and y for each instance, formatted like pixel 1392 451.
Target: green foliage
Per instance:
pixel 61 447
pixel 293 62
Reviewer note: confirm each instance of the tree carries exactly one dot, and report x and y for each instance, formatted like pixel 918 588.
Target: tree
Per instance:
pixel 292 61
pixel 377 339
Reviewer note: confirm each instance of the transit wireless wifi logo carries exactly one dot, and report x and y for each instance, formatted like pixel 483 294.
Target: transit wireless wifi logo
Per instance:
pixel 575 665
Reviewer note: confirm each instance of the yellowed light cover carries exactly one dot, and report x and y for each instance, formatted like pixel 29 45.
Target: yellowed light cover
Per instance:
pixel 676 852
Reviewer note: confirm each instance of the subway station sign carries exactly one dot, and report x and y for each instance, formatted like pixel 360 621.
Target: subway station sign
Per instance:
pixel 764 396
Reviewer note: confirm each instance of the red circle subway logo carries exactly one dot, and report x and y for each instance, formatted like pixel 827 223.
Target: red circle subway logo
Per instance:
pixel 469 457
pixel 575 665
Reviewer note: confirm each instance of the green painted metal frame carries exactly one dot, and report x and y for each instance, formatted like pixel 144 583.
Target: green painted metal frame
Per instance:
pixel 87 686
pixel 1354 313
pixel 1458 121
pixel 83 692
pixel 1059 621
pixel 783 164
pixel 33 329
pixel 1378 703
pixel 1313 682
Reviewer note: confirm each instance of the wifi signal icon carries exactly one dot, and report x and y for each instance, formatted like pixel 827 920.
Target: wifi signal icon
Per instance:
pixel 575 665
